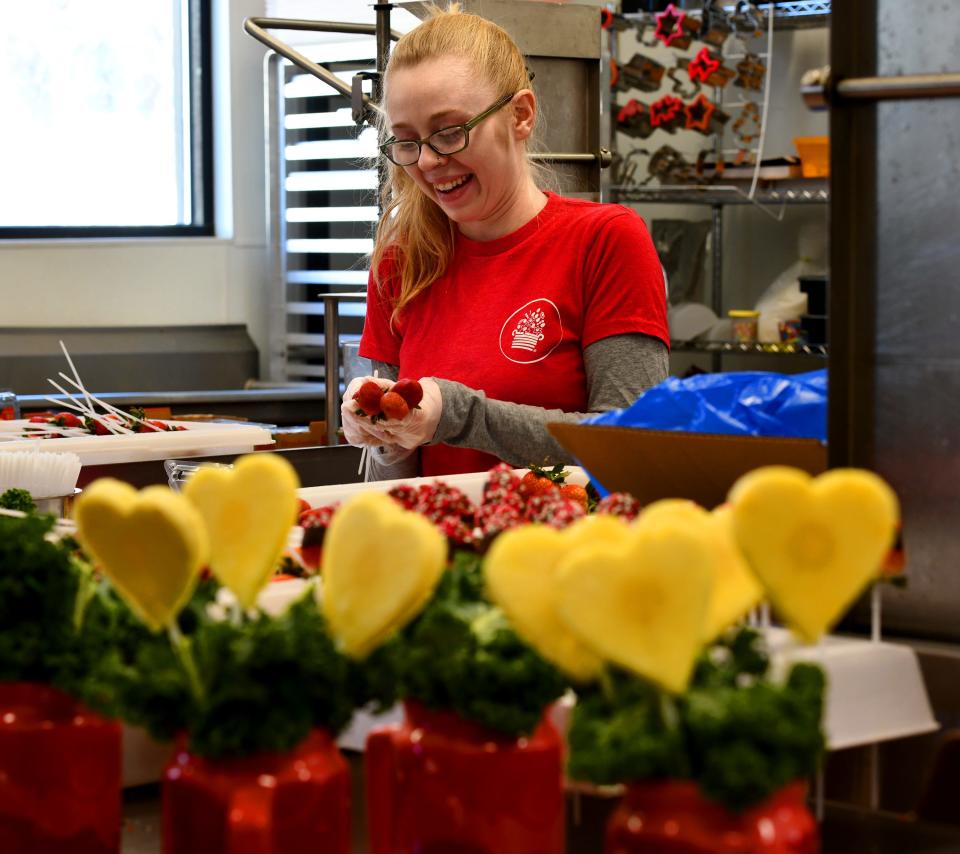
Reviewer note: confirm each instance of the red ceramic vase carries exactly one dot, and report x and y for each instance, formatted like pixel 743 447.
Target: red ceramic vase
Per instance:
pixel 673 817
pixel 290 803
pixel 437 784
pixel 59 774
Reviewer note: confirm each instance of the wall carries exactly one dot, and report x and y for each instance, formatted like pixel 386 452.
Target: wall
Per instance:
pixel 168 281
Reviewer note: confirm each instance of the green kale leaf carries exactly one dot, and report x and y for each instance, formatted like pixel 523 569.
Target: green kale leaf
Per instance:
pixel 18 499
pixel 460 654
pixel 737 732
pixel 264 681
pixel 38 588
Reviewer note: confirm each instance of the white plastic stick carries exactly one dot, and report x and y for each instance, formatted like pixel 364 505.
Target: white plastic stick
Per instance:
pixel 364 451
pixel 76 375
pixel 92 413
pixel 104 405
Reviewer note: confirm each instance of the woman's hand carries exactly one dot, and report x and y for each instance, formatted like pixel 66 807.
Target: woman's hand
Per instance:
pixel 358 427
pixel 420 425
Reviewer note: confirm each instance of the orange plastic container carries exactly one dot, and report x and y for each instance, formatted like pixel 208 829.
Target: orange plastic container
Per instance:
pixel 814 154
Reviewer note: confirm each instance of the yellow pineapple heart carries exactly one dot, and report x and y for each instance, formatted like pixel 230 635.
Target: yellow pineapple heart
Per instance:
pixel 735 589
pixel 151 544
pixel 248 512
pixel 520 573
pixel 814 543
pixel 380 566
pixel 641 603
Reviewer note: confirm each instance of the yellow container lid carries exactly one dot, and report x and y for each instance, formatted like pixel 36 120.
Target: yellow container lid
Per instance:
pixel 737 312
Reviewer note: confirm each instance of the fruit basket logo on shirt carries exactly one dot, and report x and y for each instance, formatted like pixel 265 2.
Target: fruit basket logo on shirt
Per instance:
pixel 529 331
pixel 532 332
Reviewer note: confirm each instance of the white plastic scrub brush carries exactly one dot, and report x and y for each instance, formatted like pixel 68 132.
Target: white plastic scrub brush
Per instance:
pixel 43 474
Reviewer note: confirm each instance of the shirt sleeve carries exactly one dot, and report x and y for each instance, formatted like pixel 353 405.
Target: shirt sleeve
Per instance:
pixel 381 339
pixel 619 369
pixel 624 290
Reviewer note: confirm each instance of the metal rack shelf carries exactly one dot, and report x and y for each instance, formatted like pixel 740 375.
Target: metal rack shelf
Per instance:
pixel 757 349
pixel 787 14
pixel 811 191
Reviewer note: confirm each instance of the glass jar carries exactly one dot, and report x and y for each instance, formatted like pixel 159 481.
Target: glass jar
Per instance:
pixel 438 783
pixel 289 803
pixel 745 325
pixel 673 817
pixel 60 767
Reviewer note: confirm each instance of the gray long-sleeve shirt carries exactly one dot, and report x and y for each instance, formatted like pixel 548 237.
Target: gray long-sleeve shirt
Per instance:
pixel 618 369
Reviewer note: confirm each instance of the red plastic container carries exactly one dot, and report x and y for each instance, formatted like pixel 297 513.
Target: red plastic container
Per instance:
pixel 59 774
pixel 290 803
pixel 437 783
pixel 673 817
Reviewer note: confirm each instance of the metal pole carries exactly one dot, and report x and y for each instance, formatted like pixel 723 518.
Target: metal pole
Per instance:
pixel 383 57
pixel 256 27
pixel 331 366
pixel 331 359
pixel 716 275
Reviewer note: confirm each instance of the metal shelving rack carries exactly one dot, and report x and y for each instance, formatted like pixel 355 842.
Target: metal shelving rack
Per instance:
pixel 788 14
pixel 811 191
pixel 758 349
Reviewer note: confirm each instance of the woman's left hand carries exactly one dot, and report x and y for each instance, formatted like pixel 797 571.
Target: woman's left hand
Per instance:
pixel 420 425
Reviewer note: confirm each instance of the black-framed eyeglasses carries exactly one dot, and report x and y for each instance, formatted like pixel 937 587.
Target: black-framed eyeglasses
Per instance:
pixel 449 140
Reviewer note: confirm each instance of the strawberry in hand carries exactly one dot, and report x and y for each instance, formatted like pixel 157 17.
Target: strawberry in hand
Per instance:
pixel 369 397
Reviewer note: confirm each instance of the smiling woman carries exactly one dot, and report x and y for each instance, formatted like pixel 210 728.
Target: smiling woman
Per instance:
pixel 513 306
pixel 108 118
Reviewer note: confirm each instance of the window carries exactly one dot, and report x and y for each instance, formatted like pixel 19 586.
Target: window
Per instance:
pixel 107 119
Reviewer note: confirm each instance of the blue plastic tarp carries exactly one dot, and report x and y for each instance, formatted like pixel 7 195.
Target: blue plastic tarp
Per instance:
pixel 747 403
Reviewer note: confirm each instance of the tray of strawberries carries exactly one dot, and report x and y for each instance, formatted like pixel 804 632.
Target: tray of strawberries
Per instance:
pixel 470 509
pixel 117 437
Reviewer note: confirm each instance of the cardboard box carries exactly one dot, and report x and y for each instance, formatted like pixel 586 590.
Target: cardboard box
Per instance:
pixel 653 464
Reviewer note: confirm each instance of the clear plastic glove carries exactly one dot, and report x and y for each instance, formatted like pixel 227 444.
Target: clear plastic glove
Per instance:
pixel 420 425
pixel 359 429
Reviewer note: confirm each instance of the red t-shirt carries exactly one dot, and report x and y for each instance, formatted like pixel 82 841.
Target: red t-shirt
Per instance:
pixel 512 316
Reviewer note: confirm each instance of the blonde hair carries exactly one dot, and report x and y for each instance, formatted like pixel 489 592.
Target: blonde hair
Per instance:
pixel 414 232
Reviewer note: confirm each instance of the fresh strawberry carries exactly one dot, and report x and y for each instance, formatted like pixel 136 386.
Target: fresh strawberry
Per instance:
pixel 95 427
pixel 7 414
pixel 39 419
pixel 67 419
pixel 575 492
pixel 410 390
pixel 619 504
pixel 368 397
pixel 302 507
pixel 534 484
pixel 394 407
